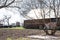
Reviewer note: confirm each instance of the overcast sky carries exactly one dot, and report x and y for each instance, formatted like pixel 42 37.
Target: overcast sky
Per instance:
pixel 15 17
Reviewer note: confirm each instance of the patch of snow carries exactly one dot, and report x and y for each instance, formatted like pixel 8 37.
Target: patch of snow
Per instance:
pixel 47 37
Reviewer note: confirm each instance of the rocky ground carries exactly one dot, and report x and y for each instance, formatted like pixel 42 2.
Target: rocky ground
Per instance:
pixel 17 33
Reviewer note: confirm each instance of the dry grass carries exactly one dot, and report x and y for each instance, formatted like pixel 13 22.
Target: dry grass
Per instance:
pixel 21 38
pixel 13 28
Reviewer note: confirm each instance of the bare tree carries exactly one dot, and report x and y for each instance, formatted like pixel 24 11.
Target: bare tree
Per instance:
pixel 9 4
pixel 47 8
pixel 7 18
pixel 53 5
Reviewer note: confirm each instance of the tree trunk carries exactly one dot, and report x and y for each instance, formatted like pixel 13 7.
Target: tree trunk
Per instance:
pixel 51 33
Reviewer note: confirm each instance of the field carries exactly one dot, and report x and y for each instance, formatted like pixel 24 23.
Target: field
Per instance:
pixel 20 33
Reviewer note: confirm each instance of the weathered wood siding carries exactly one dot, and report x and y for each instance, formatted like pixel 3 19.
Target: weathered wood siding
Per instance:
pixel 36 23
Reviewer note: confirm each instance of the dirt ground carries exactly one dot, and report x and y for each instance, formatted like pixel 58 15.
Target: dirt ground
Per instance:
pixel 11 33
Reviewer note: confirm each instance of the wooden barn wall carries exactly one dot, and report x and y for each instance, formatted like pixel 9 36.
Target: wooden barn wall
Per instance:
pixel 38 22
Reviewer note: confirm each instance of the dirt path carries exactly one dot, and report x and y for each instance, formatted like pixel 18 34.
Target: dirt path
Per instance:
pixel 20 33
pixel 46 37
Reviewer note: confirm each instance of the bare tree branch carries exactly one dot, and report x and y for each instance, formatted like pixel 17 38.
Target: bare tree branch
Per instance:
pixel 14 7
pixel 36 14
pixel 3 6
pixel 5 3
pixel 10 3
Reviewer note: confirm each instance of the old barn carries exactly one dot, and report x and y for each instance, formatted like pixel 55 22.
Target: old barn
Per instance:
pixel 39 23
